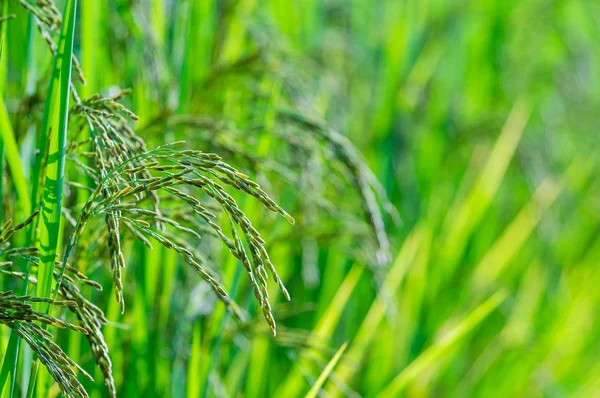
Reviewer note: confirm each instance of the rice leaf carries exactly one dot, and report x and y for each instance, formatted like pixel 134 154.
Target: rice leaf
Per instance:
pixel 11 151
pixel 439 348
pixel 314 390
pixel 55 129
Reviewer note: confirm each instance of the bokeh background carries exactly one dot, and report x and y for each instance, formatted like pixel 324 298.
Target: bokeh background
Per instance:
pixel 479 119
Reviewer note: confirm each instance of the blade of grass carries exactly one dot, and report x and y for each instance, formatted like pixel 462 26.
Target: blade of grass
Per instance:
pixel 417 240
pixel 323 330
pixel 52 141
pixel 3 12
pixel 197 48
pixel 256 379
pixel 14 160
pixel 326 372
pixel 11 152
pixel 90 17
pixel 10 147
pixel 516 234
pixel 55 129
pixel 194 389
pixel 465 213
pixel 167 279
pixel 439 348
pixel 518 231
pixel 400 325
pixel 91 28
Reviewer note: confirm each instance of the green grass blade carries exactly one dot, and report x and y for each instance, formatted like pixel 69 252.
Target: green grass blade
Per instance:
pixel 326 372
pixel 10 147
pixel 515 235
pixel 55 128
pixel 91 44
pixel 466 213
pixel 2 87
pixel 438 349
pixel 14 160
pixel 11 152
pixel 52 142
pixel 292 385
pixel 194 389
pixel 9 366
pixel 416 241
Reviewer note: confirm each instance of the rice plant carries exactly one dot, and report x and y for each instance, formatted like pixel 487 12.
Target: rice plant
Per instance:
pixel 316 198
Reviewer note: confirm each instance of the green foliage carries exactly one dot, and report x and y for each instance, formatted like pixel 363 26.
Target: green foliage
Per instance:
pixel 145 145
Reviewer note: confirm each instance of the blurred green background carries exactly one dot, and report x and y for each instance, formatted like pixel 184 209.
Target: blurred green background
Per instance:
pixel 480 120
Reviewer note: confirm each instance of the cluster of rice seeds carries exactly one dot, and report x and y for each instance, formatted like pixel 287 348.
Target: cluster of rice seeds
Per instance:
pixel 370 189
pixel 117 260
pixel 237 216
pixel 256 273
pixel 7 17
pixel 114 142
pixel 59 365
pixel 97 202
pixel 371 192
pixel 8 229
pixel 19 315
pixel 116 256
pixel 188 255
pixel 221 136
pixel 26 253
pixel 186 168
pixel 48 20
pixel 91 318
pixel 16 274
pixel 117 148
pixel 119 141
pixel 17 308
pixel 74 277
pixel 259 260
